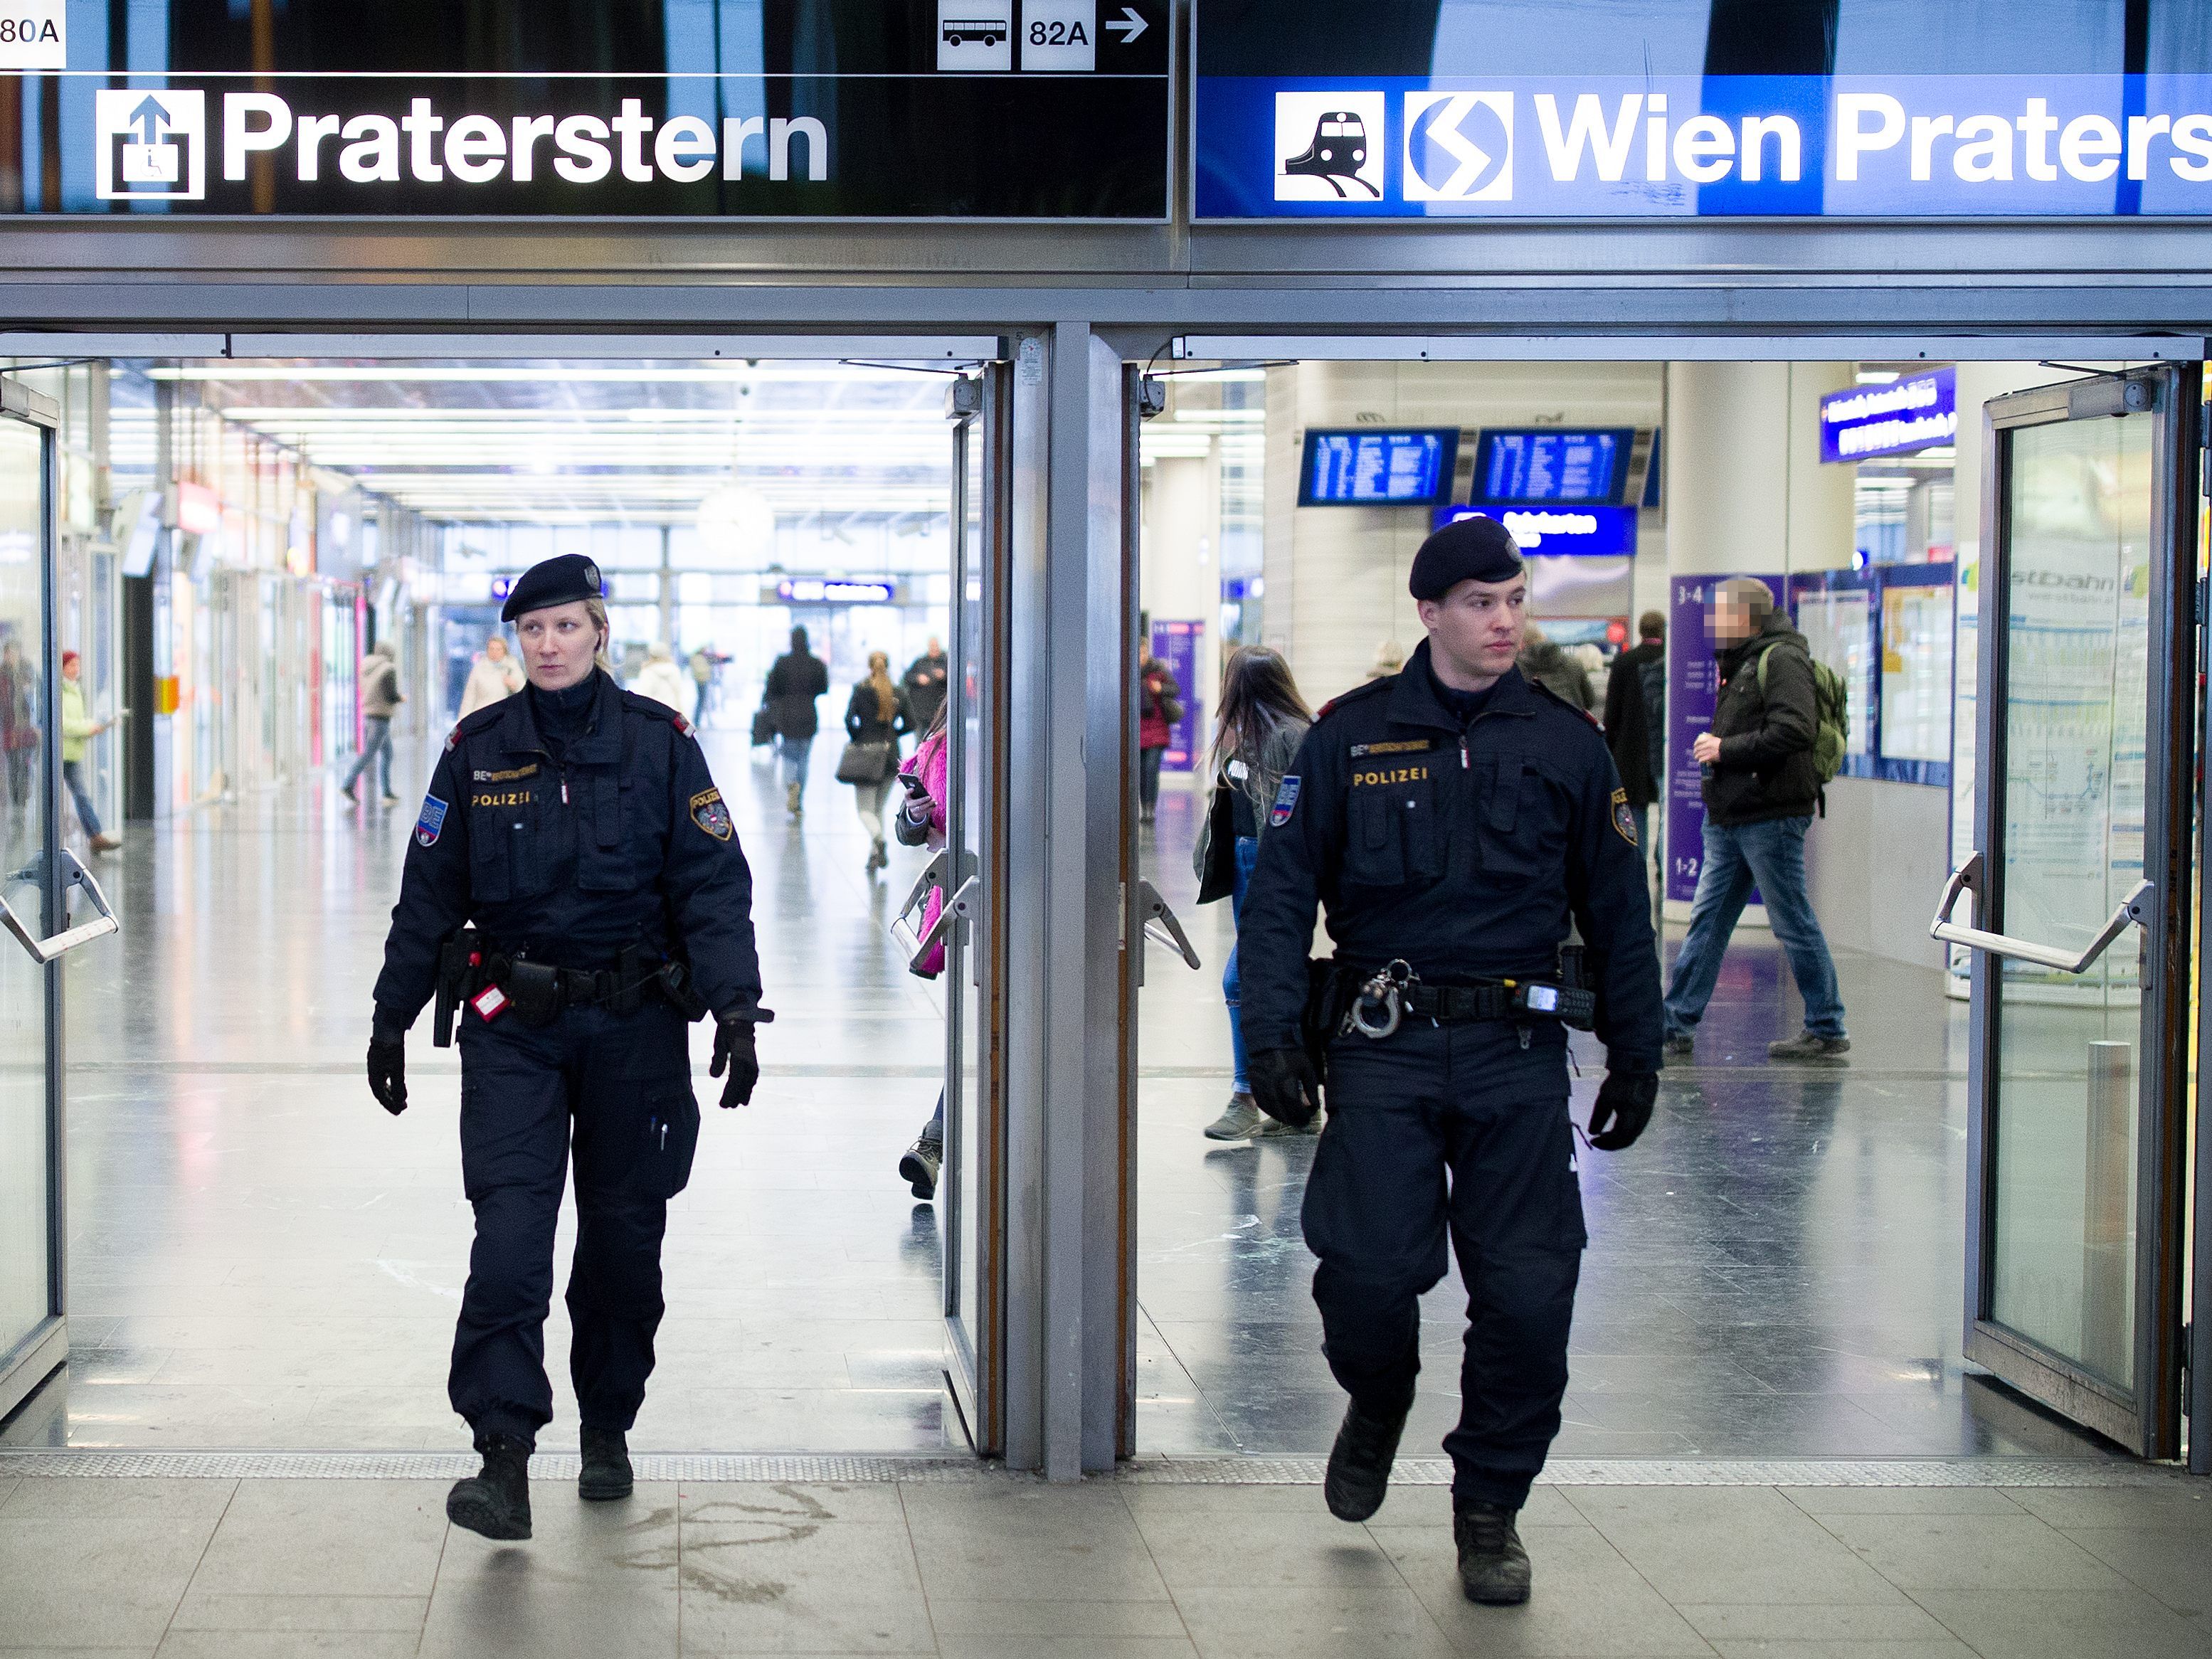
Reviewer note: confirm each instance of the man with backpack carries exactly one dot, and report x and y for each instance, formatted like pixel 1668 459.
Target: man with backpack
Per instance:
pixel 1776 738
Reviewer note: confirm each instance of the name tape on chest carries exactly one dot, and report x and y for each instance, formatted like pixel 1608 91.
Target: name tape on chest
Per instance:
pixel 432 821
pixel 712 814
pixel 508 776
pixel 1399 746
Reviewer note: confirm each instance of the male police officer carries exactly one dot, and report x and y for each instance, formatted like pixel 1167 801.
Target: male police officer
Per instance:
pixel 576 826
pixel 1452 818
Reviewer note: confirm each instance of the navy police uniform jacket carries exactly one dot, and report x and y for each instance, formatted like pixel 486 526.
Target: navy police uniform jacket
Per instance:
pixel 569 853
pixel 1465 853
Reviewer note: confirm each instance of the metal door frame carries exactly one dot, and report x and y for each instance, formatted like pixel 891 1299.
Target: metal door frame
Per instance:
pixel 2147 1422
pixel 40 1354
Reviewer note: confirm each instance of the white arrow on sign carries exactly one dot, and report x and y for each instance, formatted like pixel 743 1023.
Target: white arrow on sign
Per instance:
pixel 1129 23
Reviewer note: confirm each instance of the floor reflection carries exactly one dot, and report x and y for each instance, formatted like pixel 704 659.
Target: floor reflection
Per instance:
pixel 260 1257
pixel 1775 1270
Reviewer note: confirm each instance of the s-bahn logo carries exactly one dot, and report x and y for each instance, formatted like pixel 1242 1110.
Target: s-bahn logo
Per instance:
pixel 153 145
pixel 1459 146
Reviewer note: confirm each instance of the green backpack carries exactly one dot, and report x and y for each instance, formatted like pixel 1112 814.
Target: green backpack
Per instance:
pixel 1831 713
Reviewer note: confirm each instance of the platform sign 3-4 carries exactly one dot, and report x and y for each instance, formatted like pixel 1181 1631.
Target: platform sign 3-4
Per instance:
pixel 33 35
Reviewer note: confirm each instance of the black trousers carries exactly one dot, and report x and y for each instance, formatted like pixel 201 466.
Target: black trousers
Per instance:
pixel 614 1092
pixel 1452 1132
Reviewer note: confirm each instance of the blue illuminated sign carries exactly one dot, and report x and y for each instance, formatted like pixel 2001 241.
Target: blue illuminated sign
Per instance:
pixel 1551 531
pixel 1917 412
pixel 1544 466
pixel 1611 147
pixel 1370 467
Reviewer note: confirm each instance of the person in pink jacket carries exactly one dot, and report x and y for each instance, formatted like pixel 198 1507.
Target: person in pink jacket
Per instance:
pixel 921 822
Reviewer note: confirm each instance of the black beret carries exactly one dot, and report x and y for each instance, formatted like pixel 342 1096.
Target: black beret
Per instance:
pixel 1477 548
pixel 551 581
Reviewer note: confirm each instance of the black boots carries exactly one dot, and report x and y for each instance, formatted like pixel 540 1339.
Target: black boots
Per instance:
pixel 1359 1463
pixel 496 1502
pixel 1493 1567
pixel 606 1474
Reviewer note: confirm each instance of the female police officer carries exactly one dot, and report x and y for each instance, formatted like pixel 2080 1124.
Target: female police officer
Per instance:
pixel 577 828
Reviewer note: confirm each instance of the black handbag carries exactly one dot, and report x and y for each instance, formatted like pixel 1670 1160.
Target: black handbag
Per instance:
pixel 763 727
pixel 865 762
pixel 1217 880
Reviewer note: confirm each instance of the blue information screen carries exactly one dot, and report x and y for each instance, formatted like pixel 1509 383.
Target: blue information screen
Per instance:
pixel 1372 466
pixel 1544 466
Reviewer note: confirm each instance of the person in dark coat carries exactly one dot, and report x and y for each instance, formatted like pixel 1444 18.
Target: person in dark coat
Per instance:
pixel 575 884
pixel 1636 720
pixel 1160 706
pixel 928 679
pixel 1554 668
pixel 877 715
pixel 1457 824
pixel 795 681
pixel 1760 788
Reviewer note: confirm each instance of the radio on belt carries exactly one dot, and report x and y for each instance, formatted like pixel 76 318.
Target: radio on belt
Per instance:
pixel 1569 1005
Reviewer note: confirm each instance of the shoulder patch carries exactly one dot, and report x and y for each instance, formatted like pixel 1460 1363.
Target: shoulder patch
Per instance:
pixel 432 820
pixel 1624 817
pixel 712 814
pixel 1286 801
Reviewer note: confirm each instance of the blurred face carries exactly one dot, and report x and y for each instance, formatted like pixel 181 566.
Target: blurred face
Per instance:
pixel 558 644
pixel 1729 620
pixel 495 648
pixel 69 666
pixel 1474 630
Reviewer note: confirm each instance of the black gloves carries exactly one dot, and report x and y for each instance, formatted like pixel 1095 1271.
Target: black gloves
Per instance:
pixel 1622 1111
pixel 387 1063
pixel 733 1048
pixel 1284 1085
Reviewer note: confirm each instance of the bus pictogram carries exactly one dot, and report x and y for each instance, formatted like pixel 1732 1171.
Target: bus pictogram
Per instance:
pixel 962 31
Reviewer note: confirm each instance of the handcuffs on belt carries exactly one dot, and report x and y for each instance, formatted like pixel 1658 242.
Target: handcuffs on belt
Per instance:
pixel 1386 988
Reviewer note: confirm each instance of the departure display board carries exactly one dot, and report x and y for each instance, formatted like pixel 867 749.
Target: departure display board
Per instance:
pixel 1549 466
pixel 1376 466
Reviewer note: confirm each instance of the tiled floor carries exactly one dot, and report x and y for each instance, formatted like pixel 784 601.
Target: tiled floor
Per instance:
pixel 1005 1568
pixel 261 1258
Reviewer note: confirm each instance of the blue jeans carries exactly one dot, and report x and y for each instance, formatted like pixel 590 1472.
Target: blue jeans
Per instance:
pixel 1772 856
pixel 375 741
pixel 73 775
pixel 793 752
pixel 1247 855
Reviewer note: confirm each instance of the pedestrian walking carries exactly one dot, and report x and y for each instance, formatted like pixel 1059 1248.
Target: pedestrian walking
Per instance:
pixel 1160 707
pixel 576 892
pixel 919 821
pixel 927 681
pixel 494 676
pixel 876 716
pixel 1636 721
pixel 703 679
pixel 380 697
pixel 1454 820
pixel 1255 738
pixel 795 681
pixel 661 679
pixel 1761 786
pixel 1554 668
pixel 78 727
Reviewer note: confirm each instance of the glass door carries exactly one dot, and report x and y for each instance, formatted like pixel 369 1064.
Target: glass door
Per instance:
pixel 36 877
pixel 971 1189
pixel 2079 887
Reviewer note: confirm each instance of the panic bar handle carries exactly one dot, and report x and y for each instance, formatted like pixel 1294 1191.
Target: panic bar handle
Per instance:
pixel 43 950
pixel 1968 877
pixel 1161 924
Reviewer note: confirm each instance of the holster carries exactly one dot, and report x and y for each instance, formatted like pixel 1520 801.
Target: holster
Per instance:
pixel 1328 993
pixel 457 961
pixel 532 988
pixel 680 988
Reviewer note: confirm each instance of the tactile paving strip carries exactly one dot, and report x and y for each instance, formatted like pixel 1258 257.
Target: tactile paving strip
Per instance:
pixel 62 1463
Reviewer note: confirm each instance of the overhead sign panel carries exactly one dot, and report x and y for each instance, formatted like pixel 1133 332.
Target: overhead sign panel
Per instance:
pixel 1917 412
pixel 1601 147
pixel 1552 532
pixel 916 109
pixel 1367 466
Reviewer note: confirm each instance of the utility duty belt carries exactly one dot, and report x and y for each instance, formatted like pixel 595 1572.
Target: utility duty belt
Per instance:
pixel 494 981
pixel 1384 998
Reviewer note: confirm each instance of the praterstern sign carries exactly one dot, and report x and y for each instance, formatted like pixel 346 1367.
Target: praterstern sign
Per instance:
pixel 965 109
pixel 1915 413
pixel 1600 147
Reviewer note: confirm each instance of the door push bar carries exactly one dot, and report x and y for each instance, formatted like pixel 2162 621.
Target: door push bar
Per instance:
pixel 1968 879
pixel 1160 925
pixel 43 950
pixel 960 906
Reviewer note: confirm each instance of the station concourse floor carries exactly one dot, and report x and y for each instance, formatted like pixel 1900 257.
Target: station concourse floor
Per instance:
pixel 264 1269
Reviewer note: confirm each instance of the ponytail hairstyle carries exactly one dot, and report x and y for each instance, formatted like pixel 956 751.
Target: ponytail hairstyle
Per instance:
pixel 879 682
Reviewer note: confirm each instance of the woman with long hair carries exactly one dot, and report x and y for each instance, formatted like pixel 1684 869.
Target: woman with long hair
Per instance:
pixel 876 718
pixel 1256 741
